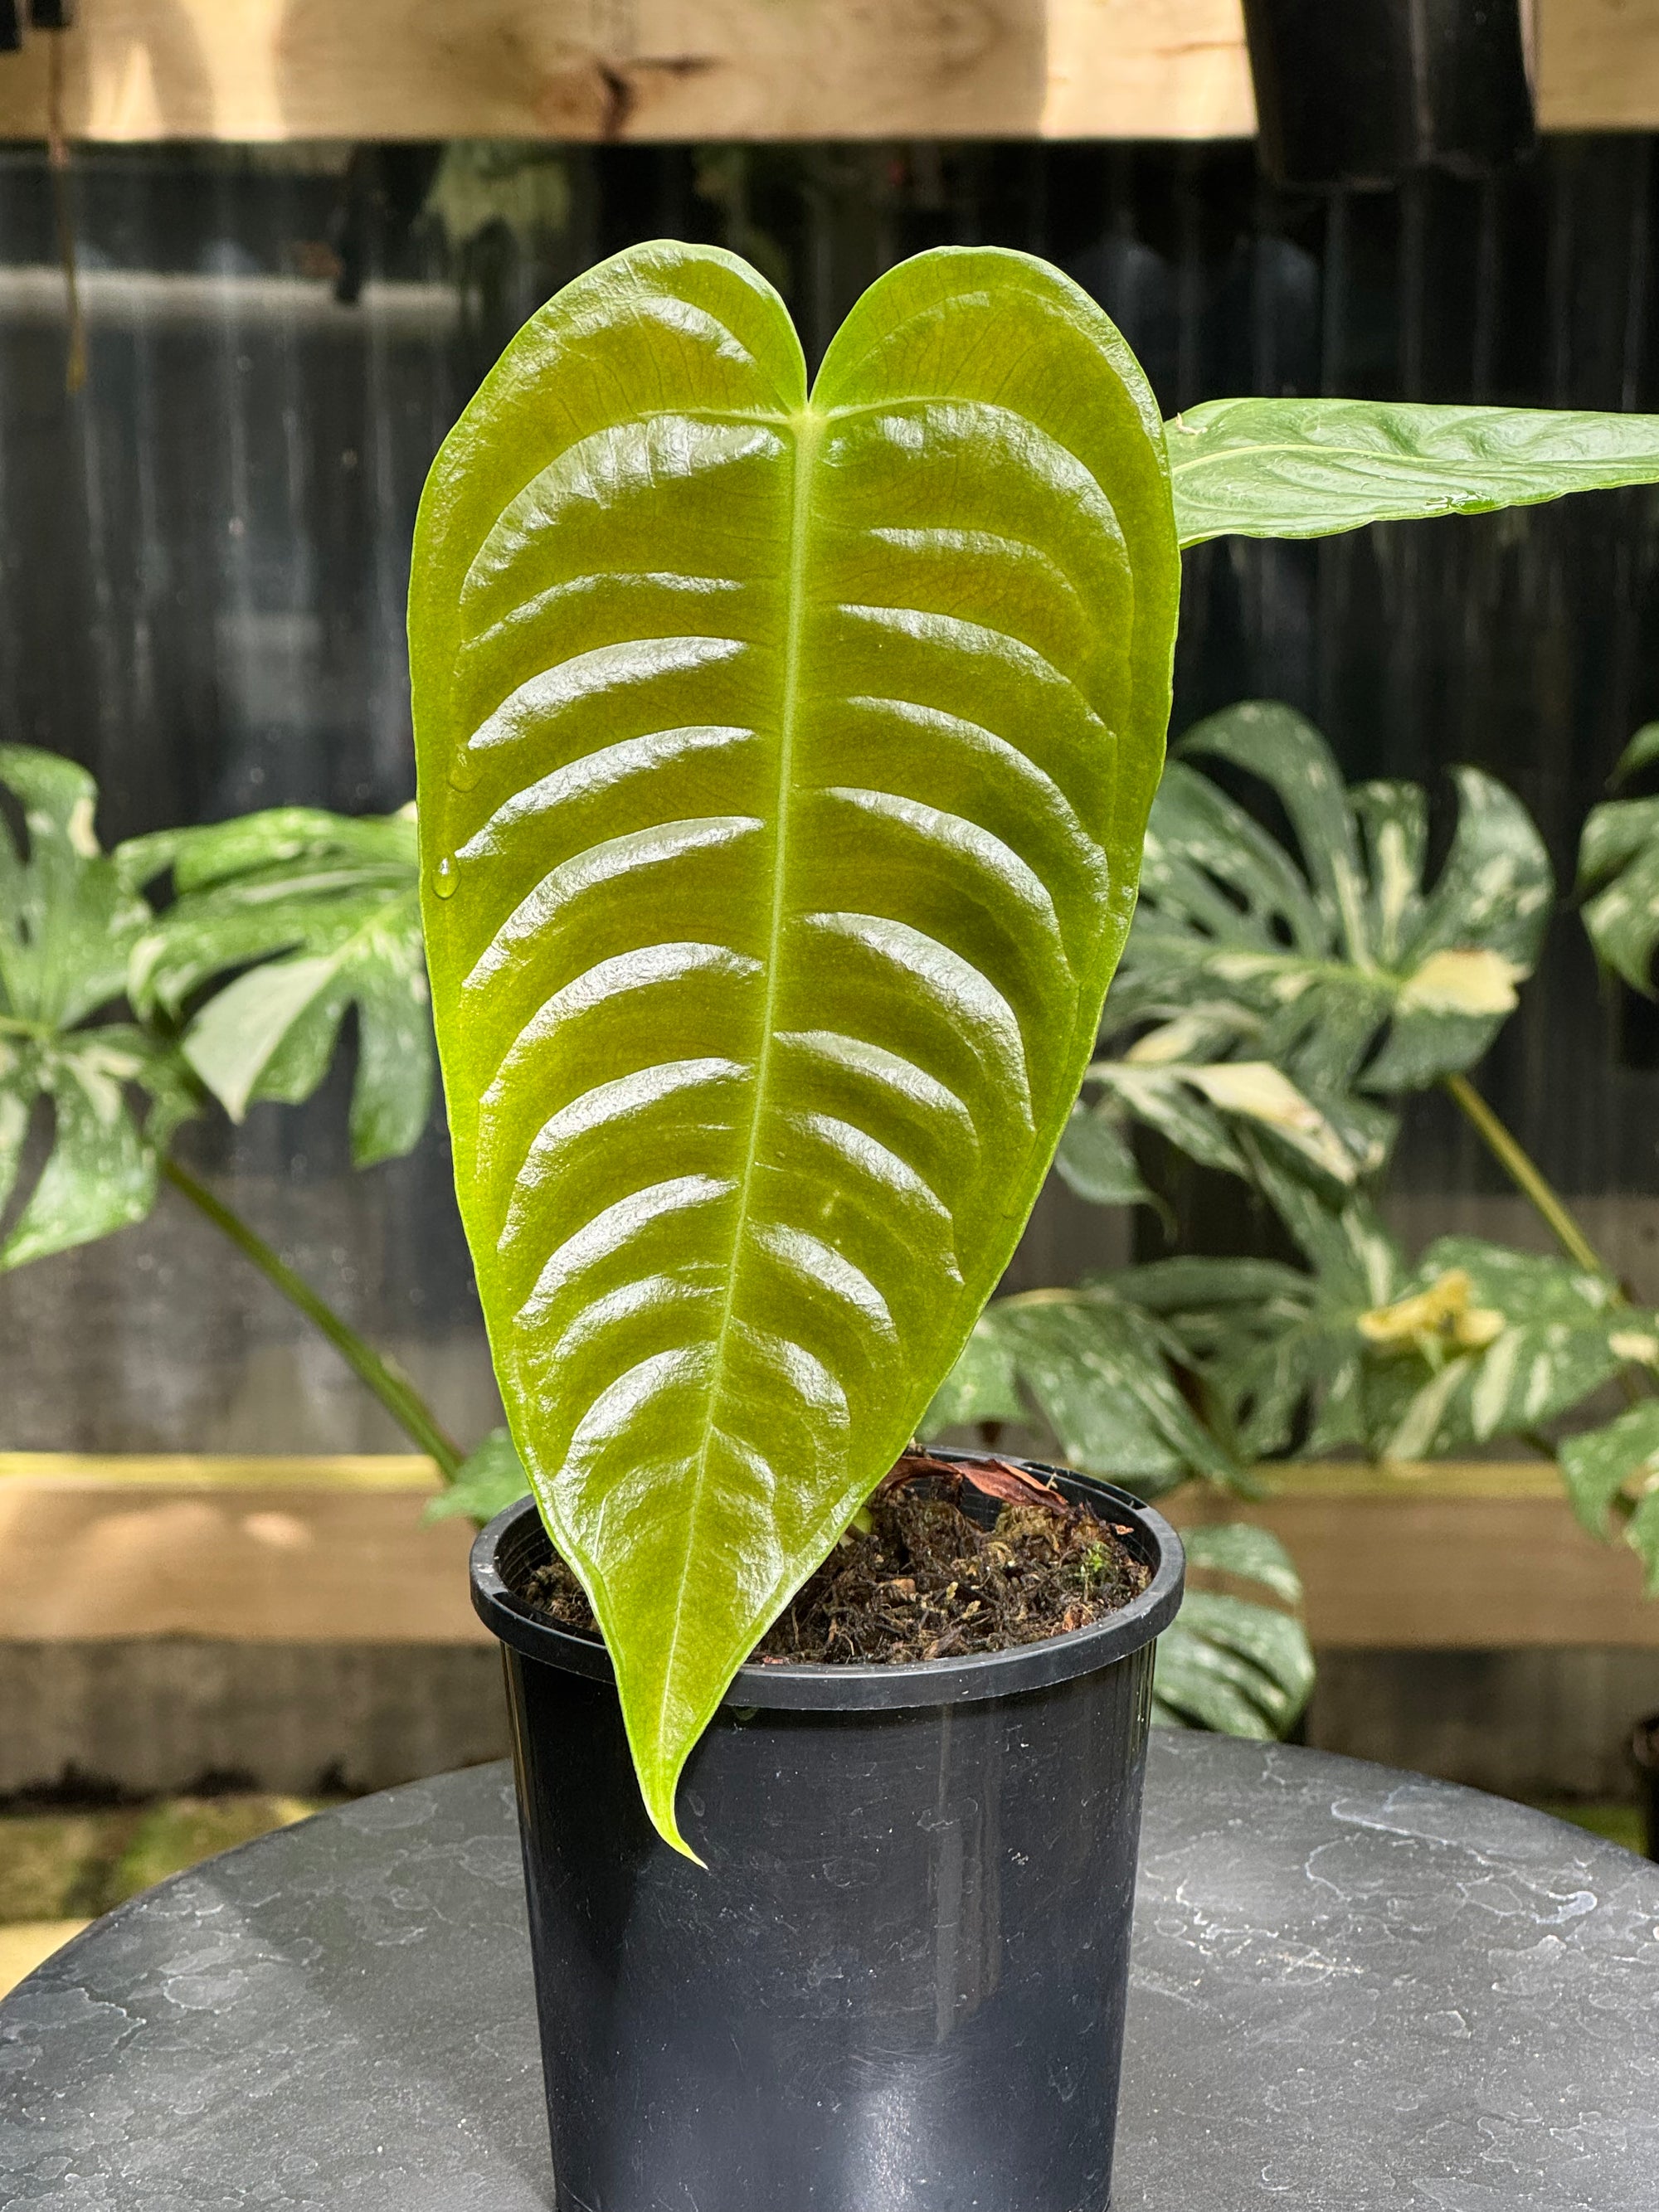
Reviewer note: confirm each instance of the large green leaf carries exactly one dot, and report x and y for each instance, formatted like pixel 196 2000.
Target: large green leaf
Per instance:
pixel 68 920
pixel 783 769
pixel 322 914
pixel 1309 468
pixel 1339 967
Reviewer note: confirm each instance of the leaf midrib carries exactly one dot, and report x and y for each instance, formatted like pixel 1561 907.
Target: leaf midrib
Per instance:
pixel 808 427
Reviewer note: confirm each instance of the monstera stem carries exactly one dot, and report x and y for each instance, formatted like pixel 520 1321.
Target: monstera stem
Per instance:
pixel 1524 1173
pixel 394 1390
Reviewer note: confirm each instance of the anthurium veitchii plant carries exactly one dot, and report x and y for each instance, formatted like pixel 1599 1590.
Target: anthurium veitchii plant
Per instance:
pixel 784 761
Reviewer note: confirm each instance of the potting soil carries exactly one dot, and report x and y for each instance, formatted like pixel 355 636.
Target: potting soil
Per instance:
pixel 923 1582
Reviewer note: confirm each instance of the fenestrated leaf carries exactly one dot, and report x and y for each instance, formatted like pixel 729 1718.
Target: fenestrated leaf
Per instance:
pixel 783 768
pixel 1095 1160
pixel 1612 1477
pixel 1250 1553
pixel 983 1386
pixel 1619 865
pixel 1343 970
pixel 1098 1369
pixel 1549 1335
pixel 486 1483
pixel 1309 468
pixel 1228 1662
pixel 323 914
pixel 1277 1348
pixel 112 1094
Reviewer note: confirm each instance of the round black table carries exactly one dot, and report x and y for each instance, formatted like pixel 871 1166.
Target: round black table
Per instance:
pixel 1354 1990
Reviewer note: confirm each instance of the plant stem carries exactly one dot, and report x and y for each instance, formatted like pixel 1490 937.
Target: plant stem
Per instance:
pixel 1524 1173
pixel 394 1390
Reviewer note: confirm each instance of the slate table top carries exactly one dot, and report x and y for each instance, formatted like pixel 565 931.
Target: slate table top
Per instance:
pixel 1354 1990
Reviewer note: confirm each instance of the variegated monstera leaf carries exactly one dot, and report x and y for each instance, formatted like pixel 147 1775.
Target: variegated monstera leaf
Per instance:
pixel 1618 871
pixel 310 915
pixel 1337 966
pixel 1482 1342
pixel 784 761
pixel 101 1094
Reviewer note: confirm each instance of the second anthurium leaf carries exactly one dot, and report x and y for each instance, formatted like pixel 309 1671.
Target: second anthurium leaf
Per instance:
pixel 1309 468
pixel 784 762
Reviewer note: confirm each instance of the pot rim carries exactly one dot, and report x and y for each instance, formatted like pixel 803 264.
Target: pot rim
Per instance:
pixel 819 1686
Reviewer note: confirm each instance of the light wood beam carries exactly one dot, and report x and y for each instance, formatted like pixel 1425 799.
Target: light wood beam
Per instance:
pixel 1484 1557
pixel 640 70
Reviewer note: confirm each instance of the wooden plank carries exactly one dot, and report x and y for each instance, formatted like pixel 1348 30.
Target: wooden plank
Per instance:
pixel 640 70
pixel 756 69
pixel 1473 1556
pixel 1477 1558
pixel 1598 64
pixel 190 1471
pixel 85 1560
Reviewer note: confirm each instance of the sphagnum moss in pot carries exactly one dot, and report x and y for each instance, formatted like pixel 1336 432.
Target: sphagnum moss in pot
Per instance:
pixel 784 764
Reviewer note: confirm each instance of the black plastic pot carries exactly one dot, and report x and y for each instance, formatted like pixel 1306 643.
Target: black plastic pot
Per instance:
pixel 900 1985
pixel 1363 92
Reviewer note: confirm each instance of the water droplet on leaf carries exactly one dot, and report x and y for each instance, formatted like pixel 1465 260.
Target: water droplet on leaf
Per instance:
pixel 464 769
pixel 446 876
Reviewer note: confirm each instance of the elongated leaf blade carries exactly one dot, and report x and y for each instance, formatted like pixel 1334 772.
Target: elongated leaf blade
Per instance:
pixel 1310 468
pixel 783 770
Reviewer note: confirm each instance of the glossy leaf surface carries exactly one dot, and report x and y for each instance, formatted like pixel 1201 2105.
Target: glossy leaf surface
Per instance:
pixel 783 770
pixel 68 920
pixel 322 913
pixel 1311 468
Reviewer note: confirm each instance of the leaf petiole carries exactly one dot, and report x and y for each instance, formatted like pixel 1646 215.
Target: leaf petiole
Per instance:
pixel 394 1390
pixel 1529 1179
